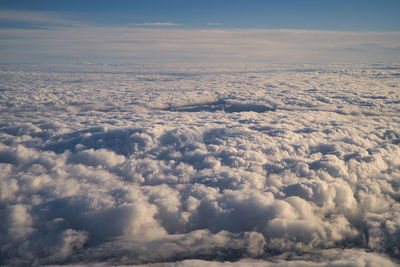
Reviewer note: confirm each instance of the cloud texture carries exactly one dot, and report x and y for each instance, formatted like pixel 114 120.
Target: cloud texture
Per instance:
pixel 294 165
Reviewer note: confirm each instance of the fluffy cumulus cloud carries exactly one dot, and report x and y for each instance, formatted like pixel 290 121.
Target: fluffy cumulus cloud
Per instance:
pixel 295 165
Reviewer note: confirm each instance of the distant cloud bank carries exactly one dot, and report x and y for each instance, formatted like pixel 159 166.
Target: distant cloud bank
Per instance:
pixel 43 37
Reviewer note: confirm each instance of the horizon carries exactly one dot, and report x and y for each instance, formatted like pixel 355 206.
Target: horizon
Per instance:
pixel 207 31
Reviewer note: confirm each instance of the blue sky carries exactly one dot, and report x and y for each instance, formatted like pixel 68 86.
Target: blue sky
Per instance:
pixel 340 15
pixel 187 30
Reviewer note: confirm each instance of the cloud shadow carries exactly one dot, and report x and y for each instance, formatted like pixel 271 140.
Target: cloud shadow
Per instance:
pixel 222 105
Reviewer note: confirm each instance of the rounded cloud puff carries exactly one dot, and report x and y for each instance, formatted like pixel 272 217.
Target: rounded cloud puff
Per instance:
pixel 246 165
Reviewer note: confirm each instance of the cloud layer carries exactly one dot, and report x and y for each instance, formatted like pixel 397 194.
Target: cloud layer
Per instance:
pixel 262 165
pixel 46 38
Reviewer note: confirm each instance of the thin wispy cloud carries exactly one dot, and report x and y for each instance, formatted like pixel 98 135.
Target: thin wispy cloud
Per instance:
pixel 154 24
pixel 33 18
pixel 169 44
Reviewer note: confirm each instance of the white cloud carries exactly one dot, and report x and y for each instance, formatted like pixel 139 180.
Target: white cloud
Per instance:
pixel 254 163
pixel 155 24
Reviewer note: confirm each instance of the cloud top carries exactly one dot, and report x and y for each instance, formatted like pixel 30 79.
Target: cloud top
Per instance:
pixel 208 164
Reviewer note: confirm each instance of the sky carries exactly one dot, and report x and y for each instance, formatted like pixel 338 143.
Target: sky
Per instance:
pixel 163 30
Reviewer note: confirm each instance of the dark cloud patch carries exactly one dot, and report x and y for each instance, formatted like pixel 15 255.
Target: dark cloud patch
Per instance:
pixel 222 105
